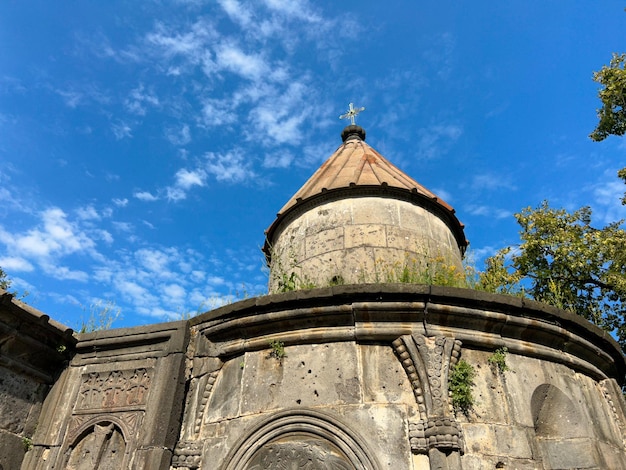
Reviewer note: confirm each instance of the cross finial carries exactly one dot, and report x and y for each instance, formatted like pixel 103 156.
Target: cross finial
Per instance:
pixel 352 112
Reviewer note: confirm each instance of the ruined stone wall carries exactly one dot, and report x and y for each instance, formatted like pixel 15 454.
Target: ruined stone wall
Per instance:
pixel 33 352
pixel 362 382
pixel 349 377
pixel 117 405
pixel 363 240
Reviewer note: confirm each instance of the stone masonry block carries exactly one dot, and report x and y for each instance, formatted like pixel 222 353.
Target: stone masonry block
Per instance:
pixel 570 453
pixel 384 378
pixel 309 375
pixel 324 242
pixel 366 211
pixel 329 216
pixel 415 218
pixel 365 235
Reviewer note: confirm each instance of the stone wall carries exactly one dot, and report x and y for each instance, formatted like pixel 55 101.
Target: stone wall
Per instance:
pixel 349 377
pixel 33 352
pixel 118 405
pixel 362 240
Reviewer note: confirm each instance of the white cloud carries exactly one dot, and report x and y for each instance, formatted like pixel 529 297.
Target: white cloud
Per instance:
pixel 294 9
pixel 233 59
pixel 434 141
pixel 218 112
pixel 15 263
pixel 279 118
pixel 55 236
pixel 123 226
pixel 145 196
pixel 87 213
pixel 232 167
pixel 280 159
pixel 180 136
pixel 185 179
pixel 155 261
pixel 63 273
pixel 172 193
pixel 236 12
pixel 120 202
pixel 139 99
pixel 491 182
pixel 487 211
pixel 121 130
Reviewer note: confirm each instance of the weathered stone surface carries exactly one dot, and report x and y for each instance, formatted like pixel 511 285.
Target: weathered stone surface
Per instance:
pixel 570 453
pixel 337 239
pixel 12 450
pixel 383 379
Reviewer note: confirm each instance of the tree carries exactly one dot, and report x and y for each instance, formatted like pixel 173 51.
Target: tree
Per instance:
pixel 5 282
pixel 612 114
pixel 563 261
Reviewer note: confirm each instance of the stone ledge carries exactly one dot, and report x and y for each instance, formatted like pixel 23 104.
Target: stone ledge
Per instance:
pixel 382 312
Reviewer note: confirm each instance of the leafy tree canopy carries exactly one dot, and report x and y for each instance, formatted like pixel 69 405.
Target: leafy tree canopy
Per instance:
pixel 5 282
pixel 563 261
pixel 612 114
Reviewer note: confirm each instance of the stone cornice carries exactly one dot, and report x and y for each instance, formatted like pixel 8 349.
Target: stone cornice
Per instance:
pixel 383 312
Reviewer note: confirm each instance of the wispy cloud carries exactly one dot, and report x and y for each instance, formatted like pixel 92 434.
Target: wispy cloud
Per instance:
pixel 436 140
pixel 231 167
pixel 145 196
pixel 121 130
pixel 491 182
pixel 488 211
pixel 140 99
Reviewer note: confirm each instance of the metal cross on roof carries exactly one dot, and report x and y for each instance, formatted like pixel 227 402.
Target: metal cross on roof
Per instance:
pixel 352 112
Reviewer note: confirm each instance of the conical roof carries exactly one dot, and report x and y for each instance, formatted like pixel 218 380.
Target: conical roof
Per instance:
pixel 356 165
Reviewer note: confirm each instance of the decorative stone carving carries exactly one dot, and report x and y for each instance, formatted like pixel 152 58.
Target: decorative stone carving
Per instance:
pixel 187 455
pixel 114 389
pixel 207 382
pixel 128 422
pixel 427 362
pixel 611 392
pixel 306 454
pixel 101 448
pixel 439 433
pixel 300 439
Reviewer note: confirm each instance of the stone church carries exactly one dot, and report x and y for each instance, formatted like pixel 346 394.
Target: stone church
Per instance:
pixel 346 364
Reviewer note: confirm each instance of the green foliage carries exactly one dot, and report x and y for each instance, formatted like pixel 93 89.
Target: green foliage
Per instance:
pixel 101 317
pixel 436 271
pixel 336 280
pixel 27 443
pixel 293 281
pixel 612 114
pixel 564 261
pixel 498 359
pixel 460 383
pixel 278 350
pixel 5 282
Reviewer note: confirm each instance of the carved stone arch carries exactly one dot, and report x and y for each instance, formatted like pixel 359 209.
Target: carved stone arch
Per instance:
pixel 291 436
pixel 555 415
pixel 99 443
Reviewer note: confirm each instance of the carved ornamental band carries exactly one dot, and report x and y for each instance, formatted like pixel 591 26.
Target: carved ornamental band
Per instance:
pixel 114 389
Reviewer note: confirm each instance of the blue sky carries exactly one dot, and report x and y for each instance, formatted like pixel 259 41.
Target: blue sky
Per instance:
pixel 146 146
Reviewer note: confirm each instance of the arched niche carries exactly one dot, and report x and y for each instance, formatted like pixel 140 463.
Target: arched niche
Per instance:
pixel 99 446
pixel 555 415
pixel 293 437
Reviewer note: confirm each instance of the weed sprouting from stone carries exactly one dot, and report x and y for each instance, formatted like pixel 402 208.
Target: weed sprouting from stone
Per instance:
pixel 460 384
pixel 498 359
